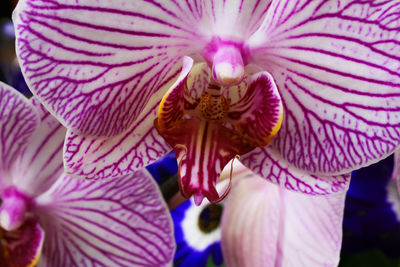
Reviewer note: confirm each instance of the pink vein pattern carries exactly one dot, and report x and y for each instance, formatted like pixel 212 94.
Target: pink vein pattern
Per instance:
pixel 337 68
pixel 269 164
pixel 96 63
pixel 95 158
pixel 124 220
pixel 39 165
pixel 18 122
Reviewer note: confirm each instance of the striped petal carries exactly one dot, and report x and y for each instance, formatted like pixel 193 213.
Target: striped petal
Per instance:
pixel 40 164
pixel 18 123
pixel 336 66
pixel 22 247
pixel 269 164
pixel 96 65
pixel 258 115
pixel 98 158
pixel 286 228
pixel 120 222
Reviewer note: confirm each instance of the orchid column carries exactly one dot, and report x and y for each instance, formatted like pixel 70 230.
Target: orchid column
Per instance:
pixel 331 66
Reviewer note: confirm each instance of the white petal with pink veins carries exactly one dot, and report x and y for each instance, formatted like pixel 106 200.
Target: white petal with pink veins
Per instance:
pixel 337 68
pixel 18 122
pixel 267 163
pixel 119 222
pixel 40 164
pixel 97 158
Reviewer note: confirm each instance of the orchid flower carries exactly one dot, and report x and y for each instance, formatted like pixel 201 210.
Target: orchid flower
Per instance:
pixel 70 222
pixel 304 91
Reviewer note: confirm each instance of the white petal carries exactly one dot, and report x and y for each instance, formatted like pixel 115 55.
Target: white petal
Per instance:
pixel 265 225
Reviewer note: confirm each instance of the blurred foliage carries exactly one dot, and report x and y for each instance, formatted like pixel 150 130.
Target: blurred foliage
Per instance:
pixel 372 258
pixel 210 263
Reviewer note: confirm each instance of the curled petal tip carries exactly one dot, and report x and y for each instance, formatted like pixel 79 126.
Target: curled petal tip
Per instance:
pixel 198 198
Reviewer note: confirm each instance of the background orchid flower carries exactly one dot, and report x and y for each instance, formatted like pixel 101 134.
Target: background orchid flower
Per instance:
pixel 121 222
pixel 266 225
pixel 103 67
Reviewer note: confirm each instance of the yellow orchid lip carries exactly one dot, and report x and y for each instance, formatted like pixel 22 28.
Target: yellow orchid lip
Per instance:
pixel 208 131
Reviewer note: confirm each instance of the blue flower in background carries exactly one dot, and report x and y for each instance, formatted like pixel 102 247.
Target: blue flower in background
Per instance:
pixel 197 233
pixel 164 168
pixel 371 227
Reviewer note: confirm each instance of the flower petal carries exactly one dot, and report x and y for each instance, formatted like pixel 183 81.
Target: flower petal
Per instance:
pixel 119 222
pixel 23 246
pixel 286 228
pixel 312 229
pixel 98 158
pixel 396 168
pixel 267 163
pixel 236 19
pixel 41 164
pixel 336 66
pixel 18 122
pixel 258 115
pixel 97 65
pixel 173 103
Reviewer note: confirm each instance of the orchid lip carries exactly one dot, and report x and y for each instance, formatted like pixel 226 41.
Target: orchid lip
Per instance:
pixel 208 130
pixel 22 246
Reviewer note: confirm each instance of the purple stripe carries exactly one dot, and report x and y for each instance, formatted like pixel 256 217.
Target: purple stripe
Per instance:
pixel 105 10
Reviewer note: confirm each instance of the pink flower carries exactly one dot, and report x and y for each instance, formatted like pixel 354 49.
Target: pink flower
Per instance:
pixel 70 222
pixel 325 73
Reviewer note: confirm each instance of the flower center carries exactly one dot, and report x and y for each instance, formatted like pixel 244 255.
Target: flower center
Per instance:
pixel 210 218
pixel 213 107
pixel 206 131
